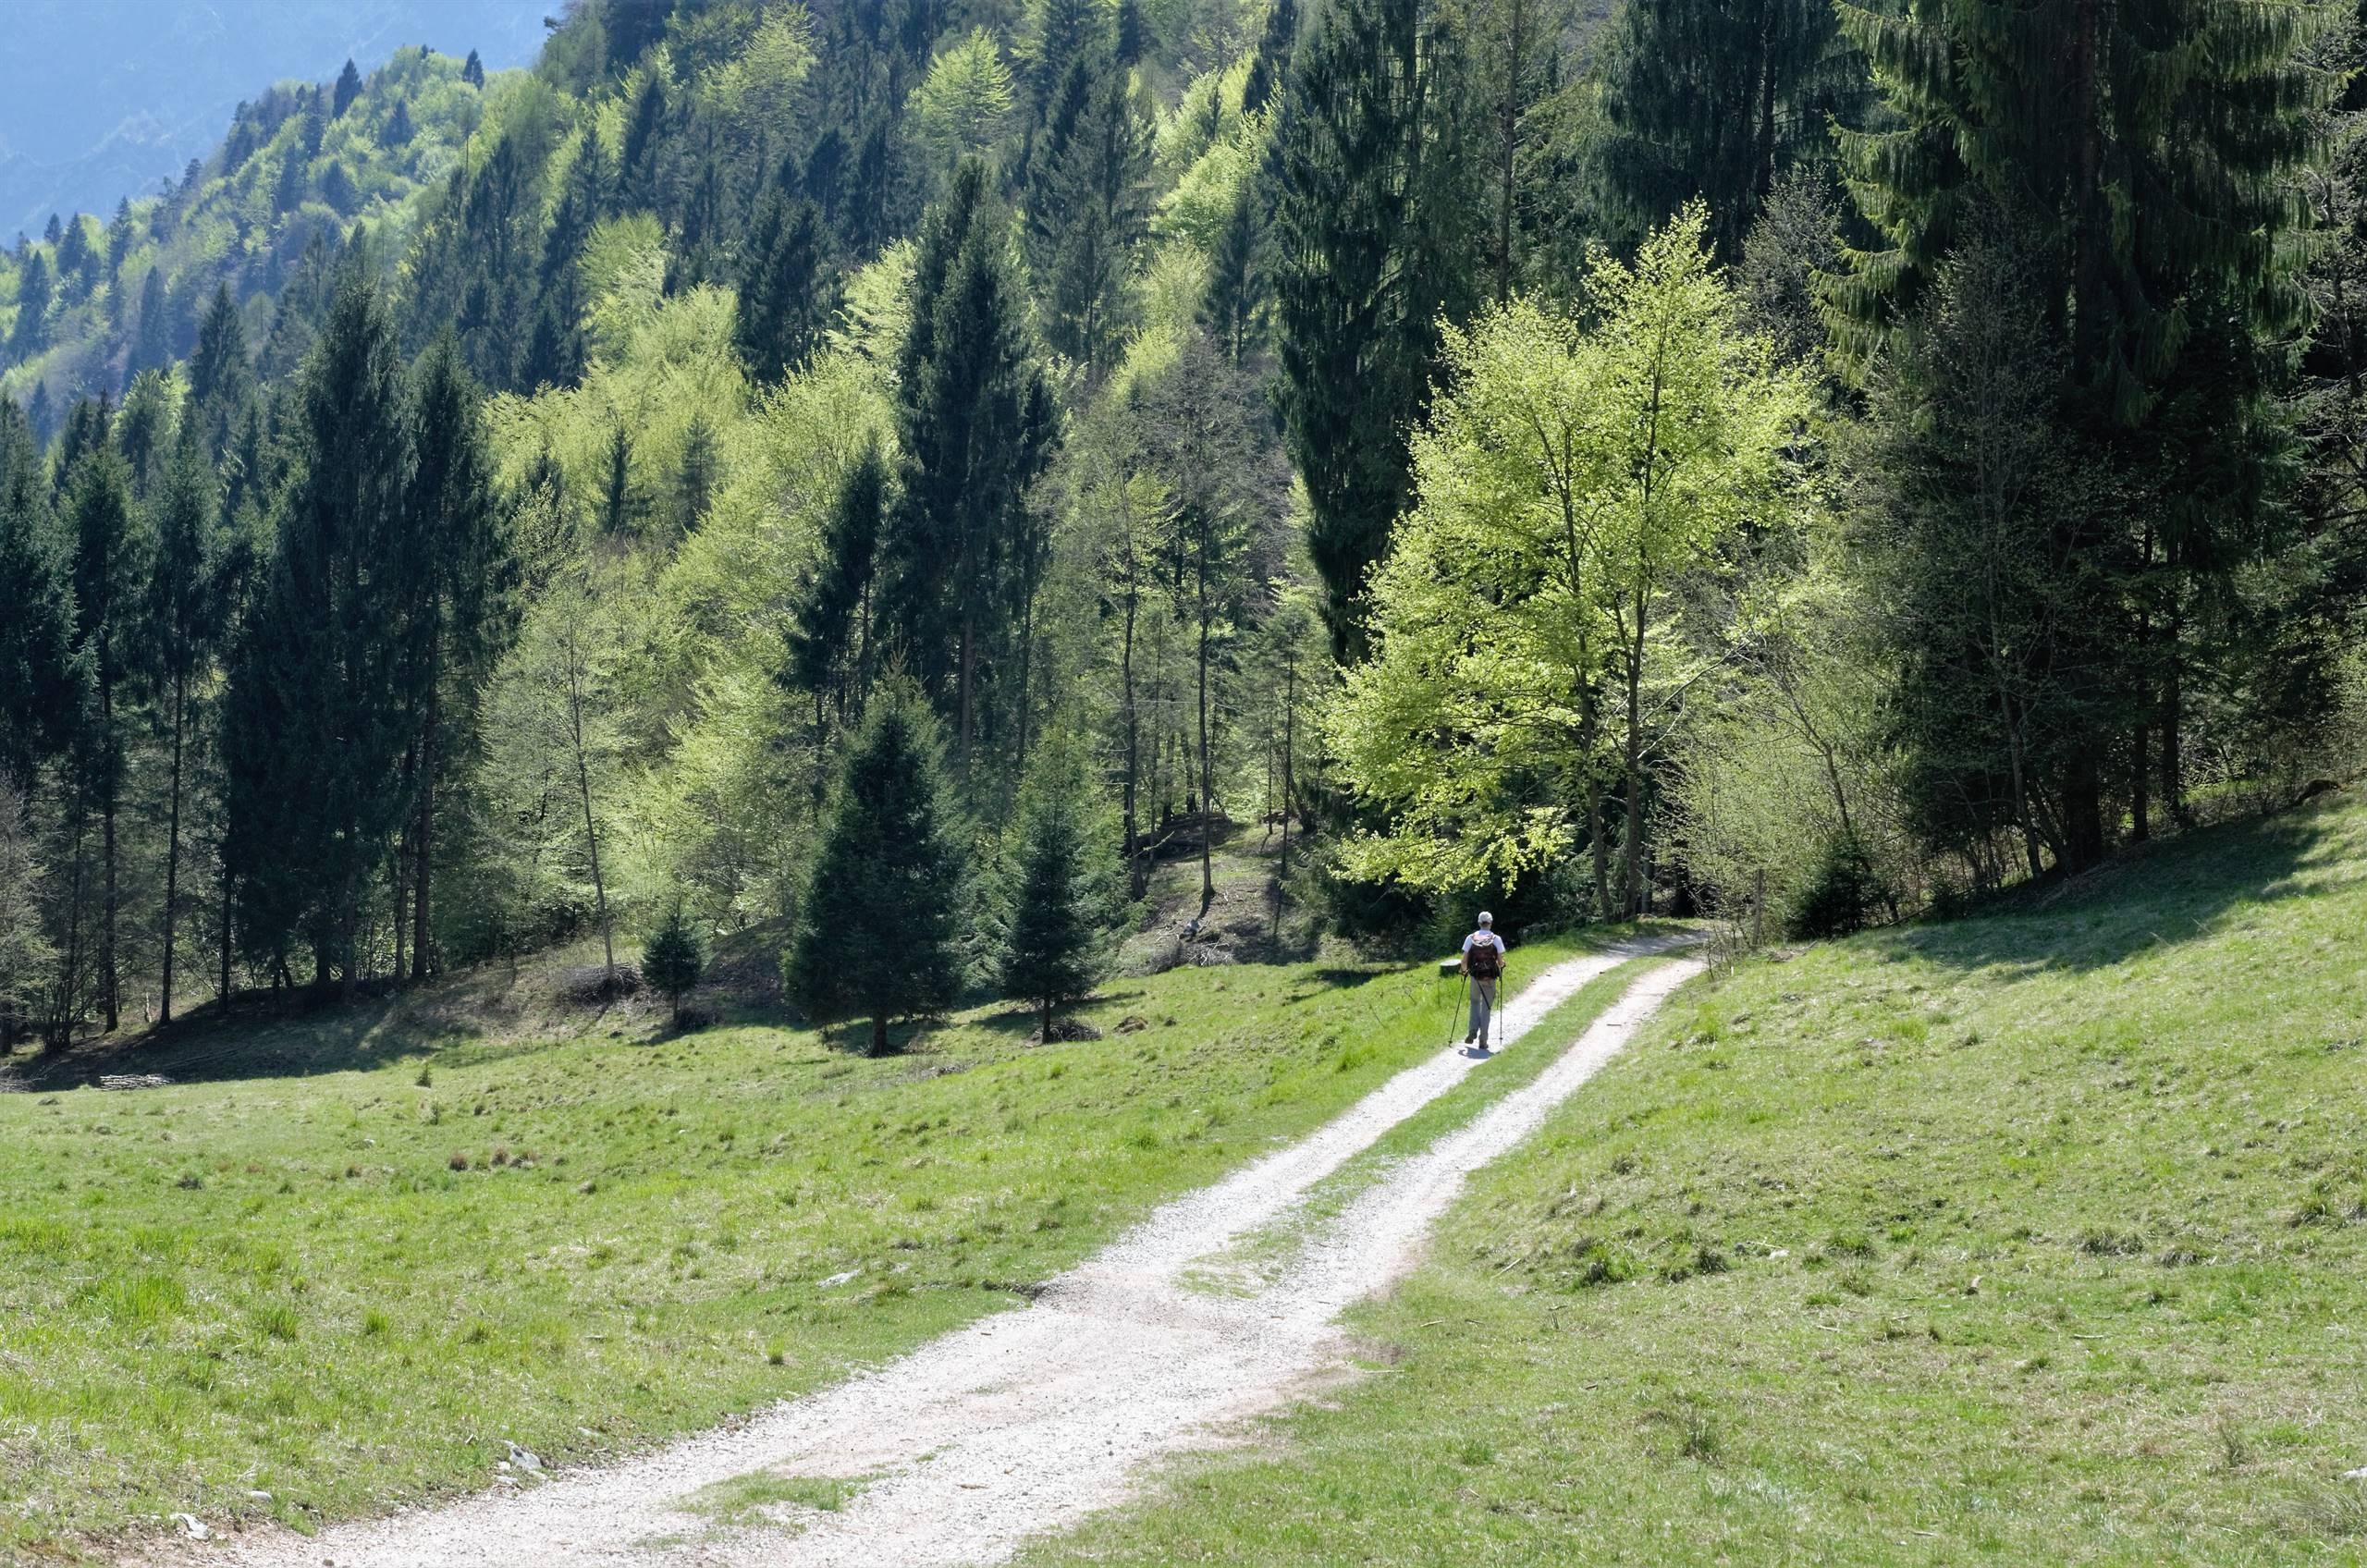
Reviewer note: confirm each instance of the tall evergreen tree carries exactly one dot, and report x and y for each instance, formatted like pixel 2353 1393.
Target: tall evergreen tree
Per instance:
pixel 2146 153
pixel 1089 214
pixel 1716 100
pixel 1371 245
pixel 876 928
pixel 155 349
pixel 787 296
pixel 317 727
pixel 1234 311
pixel 977 422
pixel 831 649
pixel 1269 67
pixel 30 333
pixel 453 573
pixel 40 674
pixel 220 378
pixel 473 71
pixel 110 559
pixel 184 618
pixel 349 87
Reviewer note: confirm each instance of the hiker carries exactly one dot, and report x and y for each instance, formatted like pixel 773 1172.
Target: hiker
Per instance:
pixel 1483 961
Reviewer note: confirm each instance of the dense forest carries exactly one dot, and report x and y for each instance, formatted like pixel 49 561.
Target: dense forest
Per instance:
pixel 906 464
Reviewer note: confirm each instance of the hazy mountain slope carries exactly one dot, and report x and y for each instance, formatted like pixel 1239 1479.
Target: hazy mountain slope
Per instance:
pixel 102 99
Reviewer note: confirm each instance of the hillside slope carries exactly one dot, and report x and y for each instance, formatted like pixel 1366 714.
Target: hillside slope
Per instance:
pixel 2041 1237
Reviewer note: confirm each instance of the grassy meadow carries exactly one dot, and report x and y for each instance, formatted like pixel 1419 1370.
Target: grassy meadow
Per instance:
pixel 353 1264
pixel 2034 1238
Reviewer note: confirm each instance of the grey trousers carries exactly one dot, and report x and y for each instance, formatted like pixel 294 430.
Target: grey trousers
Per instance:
pixel 1483 1002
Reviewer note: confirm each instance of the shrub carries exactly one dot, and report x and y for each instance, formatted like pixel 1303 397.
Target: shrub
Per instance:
pixel 1843 893
pixel 672 961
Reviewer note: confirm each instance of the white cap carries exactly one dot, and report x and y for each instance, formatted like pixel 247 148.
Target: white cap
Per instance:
pixel 1486 919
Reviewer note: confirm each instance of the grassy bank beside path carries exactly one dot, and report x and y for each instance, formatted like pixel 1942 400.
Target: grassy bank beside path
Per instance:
pixel 354 1289
pixel 2039 1238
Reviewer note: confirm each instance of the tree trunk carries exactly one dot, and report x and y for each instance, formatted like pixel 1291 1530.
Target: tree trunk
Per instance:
pixel 1631 853
pixel 878 1035
pixel 422 873
pixel 2141 753
pixel 1135 879
pixel 590 823
pixel 110 988
pixel 1290 783
pixel 2083 818
pixel 1048 1021
pixel 173 849
pixel 1208 801
pixel 967 695
pixel 1602 850
pixel 2173 702
pixel 225 932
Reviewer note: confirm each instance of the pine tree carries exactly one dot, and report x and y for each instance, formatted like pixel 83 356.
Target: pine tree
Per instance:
pixel 1062 34
pixel 672 961
pixel 976 422
pixel 620 502
pixel 1133 35
pixel 876 928
pixel 786 294
pixel 697 477
pixel 473 71
pixel 185 616
pixel 399 131
pixel 1059 893
pixel 317 727
pixel 1715 99
pixel 1369 245
pixel 349 87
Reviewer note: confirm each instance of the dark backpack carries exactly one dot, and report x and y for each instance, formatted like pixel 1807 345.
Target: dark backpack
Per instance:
pixel 1486 960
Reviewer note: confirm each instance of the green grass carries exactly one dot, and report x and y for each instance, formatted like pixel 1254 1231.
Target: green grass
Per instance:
pixel 2035 1238
pixel 766 1495
pixel 351 1288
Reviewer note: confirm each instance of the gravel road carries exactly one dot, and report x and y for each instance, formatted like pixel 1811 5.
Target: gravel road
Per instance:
pixel 1028 1420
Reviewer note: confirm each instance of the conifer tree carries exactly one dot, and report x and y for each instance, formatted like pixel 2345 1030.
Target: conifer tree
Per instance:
pixel 110 558
pixel 30 333
pixel 1062 34
pixel 317 724
pixel 672 961
pixel 399 131
pixel 2148 154
pixel 40 673
pixel 876 928
pixel 1716 100
pixel 831 642
pixel 1270 66
pixel 1132 39
pixel 1089 214
pixel 1059 889
pixel 155 349
pixel 349 87
pixel 1235 309
pixel 1370 244
pixel 473 71
pixel 785 296
pixel 185 616
pixel 454 572
pixel 976 423
pixel 220 378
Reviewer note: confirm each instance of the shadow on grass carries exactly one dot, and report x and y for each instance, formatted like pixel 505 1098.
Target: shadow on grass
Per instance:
pixel 2161 894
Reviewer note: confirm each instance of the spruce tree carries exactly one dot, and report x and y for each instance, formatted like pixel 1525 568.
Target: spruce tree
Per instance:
pixel 1052 948
pixel 40 671
pixel 1089 214
pixel 1235 309
pixel 1270 66
pixel 2145 156
pixel 876 928
pixel 976 422
pixel 155 349
pixel 830 640
pixel 185 616
pixel 349 87
pixel 786 293
pixel 318 726
pixel 30 333
pixel 221 380
pixel 109 561
pixel 1062 32
pixel 1715 99
pixel 672 961
pixel 1371 248
pixel 454 572
pixel 473 71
